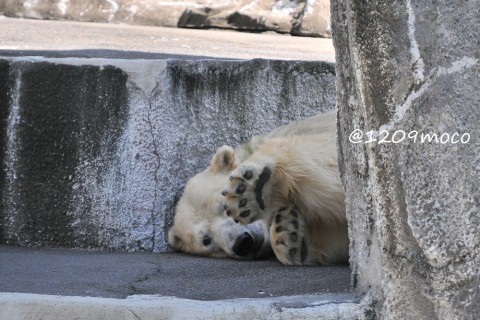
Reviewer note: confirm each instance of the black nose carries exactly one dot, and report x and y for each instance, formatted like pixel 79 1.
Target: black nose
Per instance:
pixel 243 245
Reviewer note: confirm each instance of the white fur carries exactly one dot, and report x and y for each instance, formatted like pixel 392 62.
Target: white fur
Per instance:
pixel 303 160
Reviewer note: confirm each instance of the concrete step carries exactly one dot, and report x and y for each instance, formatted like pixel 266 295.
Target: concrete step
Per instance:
pixel 319 307
pixel 44 283
pixel 96 150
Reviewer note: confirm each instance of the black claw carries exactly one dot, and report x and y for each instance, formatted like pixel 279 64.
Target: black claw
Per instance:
pixel 243 203
pixel 245 214
pixel 224 193
pixel 230 178
pixel 262 180
pixel 278 218
pixel 248 174
pixel 292 252
pixel 241 189
pixel 303 250
pixel 293 236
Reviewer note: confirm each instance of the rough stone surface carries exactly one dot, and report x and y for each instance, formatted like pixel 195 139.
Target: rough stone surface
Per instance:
pixel 96 151
pixel 141 12
pixel 298 17
pixel 313 20
pixel 303 18
pixel 413 207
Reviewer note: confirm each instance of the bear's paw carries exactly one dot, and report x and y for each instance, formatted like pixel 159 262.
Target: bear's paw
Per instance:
pixel 247 193
pixel 288 236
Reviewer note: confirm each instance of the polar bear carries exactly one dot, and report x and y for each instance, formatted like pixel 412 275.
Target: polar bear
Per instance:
pixel 279 193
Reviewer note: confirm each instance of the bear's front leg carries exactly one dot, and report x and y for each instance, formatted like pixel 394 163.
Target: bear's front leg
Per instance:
pixel 248 192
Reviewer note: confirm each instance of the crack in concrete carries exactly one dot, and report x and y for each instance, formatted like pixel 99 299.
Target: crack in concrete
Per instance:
pixel 148 85
pixel 417 61
pixel 157 71
pixel 155 175
pixel 356 64
pixel 418 74
pixel 133 289
pixel 134 314
pixel 457 66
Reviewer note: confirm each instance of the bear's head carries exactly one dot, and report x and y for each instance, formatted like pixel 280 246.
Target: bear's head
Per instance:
pixel 201 224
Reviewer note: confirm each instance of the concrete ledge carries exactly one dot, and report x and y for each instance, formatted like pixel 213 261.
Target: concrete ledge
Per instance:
pixel 97 150
pixel 31 306
pixel 42 283
pixel 102 132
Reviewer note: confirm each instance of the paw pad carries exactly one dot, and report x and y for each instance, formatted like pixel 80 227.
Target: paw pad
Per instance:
pixel 245 214
pixel 241 189
pixel 248 174
pixel 293 237
pixel 243 203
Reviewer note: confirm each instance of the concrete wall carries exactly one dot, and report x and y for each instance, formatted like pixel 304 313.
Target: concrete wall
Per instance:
pixel 95 152
pixel 297 17
pixel 413 207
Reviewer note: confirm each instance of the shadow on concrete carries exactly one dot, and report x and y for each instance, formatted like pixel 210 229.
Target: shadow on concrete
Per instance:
pixel 103 53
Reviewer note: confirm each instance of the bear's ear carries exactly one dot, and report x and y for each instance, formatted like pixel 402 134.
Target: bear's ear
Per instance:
pixel 223 160
pixel 173 239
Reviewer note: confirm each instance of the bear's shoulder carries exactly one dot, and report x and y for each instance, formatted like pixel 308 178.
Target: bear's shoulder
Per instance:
pixel 324 123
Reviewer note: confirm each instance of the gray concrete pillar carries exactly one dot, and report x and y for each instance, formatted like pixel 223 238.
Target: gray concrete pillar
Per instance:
pixel 409 69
